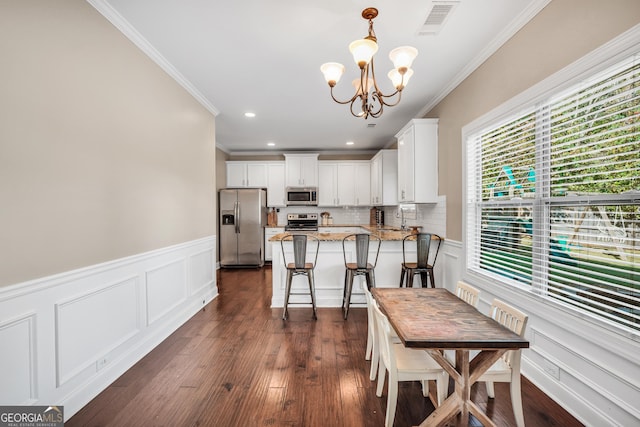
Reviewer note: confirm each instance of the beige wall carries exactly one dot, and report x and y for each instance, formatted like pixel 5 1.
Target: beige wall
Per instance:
pixel 561 33
pixel 102 154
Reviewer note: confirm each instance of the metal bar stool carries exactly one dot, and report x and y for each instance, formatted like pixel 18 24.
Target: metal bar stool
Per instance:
pixel 362 266
pixel 300 266
pixel 424 242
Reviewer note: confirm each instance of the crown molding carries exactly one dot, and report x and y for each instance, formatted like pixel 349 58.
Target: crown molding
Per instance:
pixel 106 10
pixel 514 26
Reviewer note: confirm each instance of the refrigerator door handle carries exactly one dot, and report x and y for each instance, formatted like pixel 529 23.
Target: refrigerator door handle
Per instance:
pixel 237 214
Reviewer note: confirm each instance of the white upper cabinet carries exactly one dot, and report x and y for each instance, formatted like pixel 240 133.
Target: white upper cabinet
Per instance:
pixel 275 184
pixel 384 178
pixel 418 162
pixel 247 174
pixel 344 183
pixel 257 174
pixel 362 183
pixel 327 190
pixel 301 170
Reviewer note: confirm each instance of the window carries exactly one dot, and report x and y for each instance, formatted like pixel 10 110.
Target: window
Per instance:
pixel 553 197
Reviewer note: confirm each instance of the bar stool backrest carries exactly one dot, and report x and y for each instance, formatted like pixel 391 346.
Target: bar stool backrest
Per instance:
pixel 362 249
pixel 299 249
pixel 423 248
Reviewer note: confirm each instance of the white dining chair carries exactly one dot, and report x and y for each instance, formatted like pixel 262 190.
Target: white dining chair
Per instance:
pixel 507 368
pixel 372 353
pixel 404 364
pixel 373 350
pixel 467 293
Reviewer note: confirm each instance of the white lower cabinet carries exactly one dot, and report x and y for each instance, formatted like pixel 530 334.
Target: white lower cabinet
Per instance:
pixel 269 232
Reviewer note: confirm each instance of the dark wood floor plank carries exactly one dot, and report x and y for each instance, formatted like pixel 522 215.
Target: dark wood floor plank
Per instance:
pixel 237 363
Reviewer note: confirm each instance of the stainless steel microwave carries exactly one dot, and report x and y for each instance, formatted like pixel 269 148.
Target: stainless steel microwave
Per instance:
pixel 302 196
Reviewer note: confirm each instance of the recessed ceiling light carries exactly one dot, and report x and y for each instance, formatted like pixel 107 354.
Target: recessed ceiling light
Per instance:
pixel 350 142
pixel 250 115
pixel 271 144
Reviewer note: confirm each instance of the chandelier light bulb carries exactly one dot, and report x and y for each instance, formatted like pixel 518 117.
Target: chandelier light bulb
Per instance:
pixel 398 79
pixel 367 88
pixel 332 72
pixel 362 51
pixel 402 57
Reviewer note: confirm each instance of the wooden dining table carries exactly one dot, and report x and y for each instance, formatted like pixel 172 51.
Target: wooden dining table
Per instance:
pixel 435 319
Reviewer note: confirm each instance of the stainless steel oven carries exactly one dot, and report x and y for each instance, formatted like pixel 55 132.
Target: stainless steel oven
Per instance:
pixel 302 222
pixel 302 196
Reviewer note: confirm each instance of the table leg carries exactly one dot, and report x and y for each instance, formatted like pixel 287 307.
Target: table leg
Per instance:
pixel 464 389
pixel 464 374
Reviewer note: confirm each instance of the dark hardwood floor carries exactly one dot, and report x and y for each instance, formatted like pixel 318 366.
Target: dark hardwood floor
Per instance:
pixel 237 363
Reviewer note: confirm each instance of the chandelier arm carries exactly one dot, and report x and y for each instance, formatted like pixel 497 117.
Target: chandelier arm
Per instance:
pixel 376 96
pixel 373 76
pixel 381 96
pixel 353 98
pixel 364 113
pixel 389 104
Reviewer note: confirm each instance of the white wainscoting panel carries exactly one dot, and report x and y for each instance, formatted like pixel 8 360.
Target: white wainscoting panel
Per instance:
pixel 90 326
pixel 201 270
pixel 17 361
pixel 166 288
pixel 66 337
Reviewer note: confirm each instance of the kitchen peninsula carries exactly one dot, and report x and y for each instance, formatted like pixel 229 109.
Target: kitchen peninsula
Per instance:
pixel 329 271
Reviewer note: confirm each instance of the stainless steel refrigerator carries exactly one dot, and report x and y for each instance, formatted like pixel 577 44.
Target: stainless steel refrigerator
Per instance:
pixel 243 215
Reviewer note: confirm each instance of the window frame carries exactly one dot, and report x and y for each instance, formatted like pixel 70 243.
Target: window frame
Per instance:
pixel 581 70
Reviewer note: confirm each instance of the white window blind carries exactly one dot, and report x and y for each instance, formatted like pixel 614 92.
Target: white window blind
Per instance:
pixel 553 197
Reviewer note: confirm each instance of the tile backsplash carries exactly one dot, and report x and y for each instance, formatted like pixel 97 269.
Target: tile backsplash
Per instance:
pixel 431 217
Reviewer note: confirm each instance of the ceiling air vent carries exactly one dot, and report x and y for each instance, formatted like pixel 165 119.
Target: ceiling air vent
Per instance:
pixel 436 17
pixel 371 125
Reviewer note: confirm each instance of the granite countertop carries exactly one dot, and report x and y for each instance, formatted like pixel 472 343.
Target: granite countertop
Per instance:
pixel 386 233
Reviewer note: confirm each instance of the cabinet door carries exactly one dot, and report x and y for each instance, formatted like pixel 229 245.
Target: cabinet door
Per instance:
pixel 236 174
pixel 346 188
pixel 309 171
pixel 376 178
pixel 406 168
pixel 327 187
pixel 293 171
pixel 301 170
pixel 257 174
pixel 275 184
pixel 362 183
pixel 269 233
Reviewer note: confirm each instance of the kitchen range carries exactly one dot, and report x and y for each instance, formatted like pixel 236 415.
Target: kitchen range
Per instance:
pixel 302 222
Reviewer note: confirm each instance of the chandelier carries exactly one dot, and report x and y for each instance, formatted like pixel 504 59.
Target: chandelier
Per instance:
pixel 368 100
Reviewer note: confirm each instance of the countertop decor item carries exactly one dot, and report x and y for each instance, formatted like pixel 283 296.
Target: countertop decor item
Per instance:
pixel 325 218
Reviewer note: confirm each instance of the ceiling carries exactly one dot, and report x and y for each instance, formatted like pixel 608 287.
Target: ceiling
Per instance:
pixel 264 57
